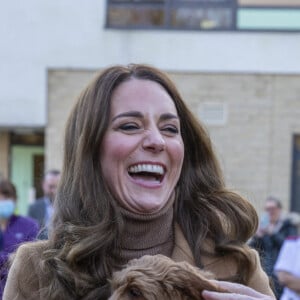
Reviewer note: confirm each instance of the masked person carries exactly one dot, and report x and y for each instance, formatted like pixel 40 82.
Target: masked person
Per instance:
pixel 14 229
pixel 139 177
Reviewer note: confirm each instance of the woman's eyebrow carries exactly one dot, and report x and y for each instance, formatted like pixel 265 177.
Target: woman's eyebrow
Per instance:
pixel 135 114
pixel 168 116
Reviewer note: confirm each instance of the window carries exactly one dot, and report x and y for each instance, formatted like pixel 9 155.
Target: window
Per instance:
pixel 205 15
pixel 201 18
pixel 171 14
pixel 270 3
pixel 271 15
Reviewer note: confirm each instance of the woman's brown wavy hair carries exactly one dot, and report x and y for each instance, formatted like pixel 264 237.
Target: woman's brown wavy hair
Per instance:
pixel 83 246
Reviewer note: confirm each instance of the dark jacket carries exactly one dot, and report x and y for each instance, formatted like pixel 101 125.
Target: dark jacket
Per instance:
pixel 19 230
pixel 38 211
pixel 268 247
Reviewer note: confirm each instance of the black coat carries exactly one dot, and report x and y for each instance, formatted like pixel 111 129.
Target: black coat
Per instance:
pixel 268 247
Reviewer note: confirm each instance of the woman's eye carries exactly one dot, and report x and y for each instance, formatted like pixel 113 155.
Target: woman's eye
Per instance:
pixel 129 127
pixel 171 129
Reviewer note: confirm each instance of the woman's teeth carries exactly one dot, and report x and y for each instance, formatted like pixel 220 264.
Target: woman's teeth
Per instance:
pixel 157 169
pixel 147 172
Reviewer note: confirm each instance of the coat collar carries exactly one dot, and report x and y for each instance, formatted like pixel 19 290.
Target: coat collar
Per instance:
pixel 182 250
pixel 218 265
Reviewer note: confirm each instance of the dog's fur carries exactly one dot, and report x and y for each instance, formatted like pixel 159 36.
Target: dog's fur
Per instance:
pixel 160 278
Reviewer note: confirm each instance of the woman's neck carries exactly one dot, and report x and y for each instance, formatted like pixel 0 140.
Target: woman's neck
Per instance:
pixel 147 233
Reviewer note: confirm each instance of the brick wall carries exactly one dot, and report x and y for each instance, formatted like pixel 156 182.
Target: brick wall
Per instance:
pixel 254 145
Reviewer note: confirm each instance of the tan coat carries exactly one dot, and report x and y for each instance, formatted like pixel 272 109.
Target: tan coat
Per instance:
pixel 222 267
pixel 27 259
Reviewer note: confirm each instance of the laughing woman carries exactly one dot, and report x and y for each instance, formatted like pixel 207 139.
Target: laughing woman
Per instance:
pixel 139 177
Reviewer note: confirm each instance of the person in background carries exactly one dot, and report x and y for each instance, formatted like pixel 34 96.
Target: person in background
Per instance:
pixel 273 230
pixel 140 177
pixel 287 268
pixel 14 229
pixel 42 208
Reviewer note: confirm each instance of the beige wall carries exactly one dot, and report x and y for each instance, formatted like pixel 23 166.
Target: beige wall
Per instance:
pixel 254 145
pixel 63 88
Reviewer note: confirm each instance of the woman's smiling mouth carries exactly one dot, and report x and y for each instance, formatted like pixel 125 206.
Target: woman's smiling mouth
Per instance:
pixel 147 172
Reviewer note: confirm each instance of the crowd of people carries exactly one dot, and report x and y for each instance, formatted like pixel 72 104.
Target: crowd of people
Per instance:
pixel 140 177
pixel 273 230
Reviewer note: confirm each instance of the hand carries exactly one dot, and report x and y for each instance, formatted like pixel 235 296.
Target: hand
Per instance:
pixel 261 232
pixel 235 291
pixel 265 230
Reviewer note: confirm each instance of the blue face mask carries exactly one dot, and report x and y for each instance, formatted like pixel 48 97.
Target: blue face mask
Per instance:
pixel 7 208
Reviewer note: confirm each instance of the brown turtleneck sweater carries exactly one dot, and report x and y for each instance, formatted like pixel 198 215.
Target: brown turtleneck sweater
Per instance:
pixel 147 233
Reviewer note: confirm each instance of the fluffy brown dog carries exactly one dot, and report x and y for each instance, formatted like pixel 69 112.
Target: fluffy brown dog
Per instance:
pixel 160 278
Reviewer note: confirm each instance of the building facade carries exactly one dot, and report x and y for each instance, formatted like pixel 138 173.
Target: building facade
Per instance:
pixel 236 63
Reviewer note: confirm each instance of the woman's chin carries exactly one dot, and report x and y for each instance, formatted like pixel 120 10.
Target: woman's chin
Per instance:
pixel 148 208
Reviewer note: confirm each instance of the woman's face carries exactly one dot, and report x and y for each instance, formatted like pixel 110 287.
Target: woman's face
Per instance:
pixel 142 149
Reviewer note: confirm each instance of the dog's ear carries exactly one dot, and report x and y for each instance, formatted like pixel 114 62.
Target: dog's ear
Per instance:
pixel 189 280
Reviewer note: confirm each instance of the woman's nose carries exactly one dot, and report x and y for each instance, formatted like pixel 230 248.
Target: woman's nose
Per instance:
pixel 154 141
